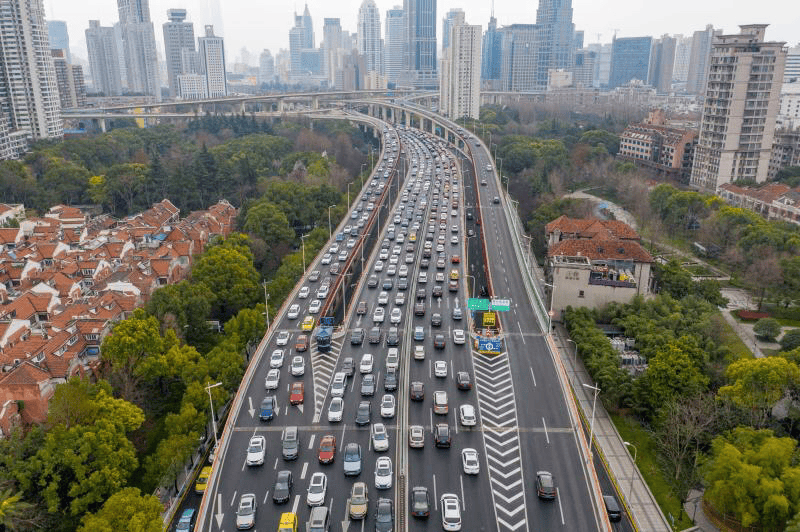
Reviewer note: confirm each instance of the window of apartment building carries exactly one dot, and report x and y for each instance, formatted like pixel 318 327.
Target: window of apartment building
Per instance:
pixel 581 294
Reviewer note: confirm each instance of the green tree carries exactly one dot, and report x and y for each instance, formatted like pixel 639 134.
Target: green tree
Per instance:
pixel 266 221
pixel 248 325
pixel 674 279
pixel 169 460
pixel 767 328
pixel 127 509
pixel 185 308
pixel 601 137
pixel 231 278
pixel 670 374
pixel 16 513
pixel 790 340
pixel 757 384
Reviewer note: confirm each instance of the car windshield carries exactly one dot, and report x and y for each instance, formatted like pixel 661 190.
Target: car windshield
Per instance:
pixel 351 455
pixel 420 501
pixel 255 447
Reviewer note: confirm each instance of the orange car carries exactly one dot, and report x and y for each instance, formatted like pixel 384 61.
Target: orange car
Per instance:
pixel 455 259
pixel 327 449
pixel 296 394
pixel 302 343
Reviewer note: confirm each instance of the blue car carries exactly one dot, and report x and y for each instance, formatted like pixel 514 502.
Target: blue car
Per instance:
pixel 268 407
pixel 186 522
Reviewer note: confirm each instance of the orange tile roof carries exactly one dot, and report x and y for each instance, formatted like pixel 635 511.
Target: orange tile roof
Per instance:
pixel 596 249
pixel 26 373
pixel 767 193
pixel 9 235
pixel 592 227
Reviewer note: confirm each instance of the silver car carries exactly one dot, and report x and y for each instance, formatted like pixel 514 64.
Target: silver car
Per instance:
pixel 246 513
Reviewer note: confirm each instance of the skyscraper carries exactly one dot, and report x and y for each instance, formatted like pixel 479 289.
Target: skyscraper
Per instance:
pixel 266 67
pixel 602 64
pixel 369 35
pixel 420 64
pixel 394 44
pixel 178 48
pixel 331 45
pixel 662 62
pixel 29 101
pixel 555 43
pixel 447 24
pixel 742 100
pixel 698 60
pixel 101 44
pixel 792 72
pixel 518 63
pixel 308 27
pixel 460 84
pixel 212 63
pixel 139 43
pixel 492 53
pixel 630 59
pixel 59 37
pixel 683 51
pixel 71 87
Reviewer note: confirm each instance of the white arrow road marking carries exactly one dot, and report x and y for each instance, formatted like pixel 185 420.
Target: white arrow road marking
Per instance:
pixel 251 410
pixel 219 515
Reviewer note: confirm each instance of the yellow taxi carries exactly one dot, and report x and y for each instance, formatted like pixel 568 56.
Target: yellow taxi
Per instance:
pixel 288 522
pixel 412 236
pixel 202 480
pixel 308 323
pixel 454 274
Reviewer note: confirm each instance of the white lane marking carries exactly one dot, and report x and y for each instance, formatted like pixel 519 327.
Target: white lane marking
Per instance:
pixel 266 495
pixel 311 441
pixel 430 368
pixel 341 449
pixel 435 498
pixel 533 377
pixel 305 469
pixel 560 509
pixel 275 466
pixel 233 499
pixel 520 330
pixel 546 435
pixel 431 415
pixel 463 499
pixel 295 504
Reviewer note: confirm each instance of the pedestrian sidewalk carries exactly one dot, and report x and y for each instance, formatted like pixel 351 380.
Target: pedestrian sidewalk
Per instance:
pixel 644 510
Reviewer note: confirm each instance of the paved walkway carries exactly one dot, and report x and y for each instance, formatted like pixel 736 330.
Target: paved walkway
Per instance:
pixel 644 510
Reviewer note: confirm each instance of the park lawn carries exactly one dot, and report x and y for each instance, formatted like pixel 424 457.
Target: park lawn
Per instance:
pixel 647 462
pixel 729 338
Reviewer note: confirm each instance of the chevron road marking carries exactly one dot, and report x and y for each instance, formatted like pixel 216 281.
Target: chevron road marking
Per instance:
pixel 322 367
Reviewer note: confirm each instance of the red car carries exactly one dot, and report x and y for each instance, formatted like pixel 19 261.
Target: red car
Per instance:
pixel 455 259
pixel 296 394
pixel 327 449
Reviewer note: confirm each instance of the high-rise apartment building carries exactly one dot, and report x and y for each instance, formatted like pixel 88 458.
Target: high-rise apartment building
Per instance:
pixel 139 43
pixel 518 63
pixel 178 48
pixel 555 39
pixel 104 64
pixel 331 46
pixel 369 35
pixel 394 44
pixel 662 62
pixel 59 37
pixel 447 25
pixel 583 71
pixel 419 69
pixel 29 103
pixel 742 98
pixel 630 59
pixel 212 63
pixel 71 88
pixel 266 67
pixel 460 85
pixel 792 72
pixel 492 54
pixel 602 64
pixel 698 60
pixel 683 52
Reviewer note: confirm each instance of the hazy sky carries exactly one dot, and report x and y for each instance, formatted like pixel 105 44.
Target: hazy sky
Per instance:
pixel 259 24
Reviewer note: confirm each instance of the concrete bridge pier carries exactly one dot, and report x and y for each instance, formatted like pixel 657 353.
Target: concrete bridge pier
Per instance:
pixel 315 102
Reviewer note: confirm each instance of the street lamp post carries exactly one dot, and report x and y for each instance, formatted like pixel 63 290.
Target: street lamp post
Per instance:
pixel 303 240
pixel 266 303
pixel 550 310
pixel 361 174
pixel 213 417
pixel 575 354
pixel 635 453
pixel 591 425
pixel 330 227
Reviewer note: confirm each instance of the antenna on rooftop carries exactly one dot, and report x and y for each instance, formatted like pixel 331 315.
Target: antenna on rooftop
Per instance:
pixel 492 8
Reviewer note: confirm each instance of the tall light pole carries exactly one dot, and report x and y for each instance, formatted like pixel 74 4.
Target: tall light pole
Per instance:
pixel 575 353
pixel 213 417
pixel 361 174
pixel 303 240
pixel 266 303
pixel 635 453
pixel 550 310
pixel 591 425
pixel 348 194
pixel 330 227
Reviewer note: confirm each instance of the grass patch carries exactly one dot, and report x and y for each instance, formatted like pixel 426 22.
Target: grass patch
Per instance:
pixel 699 269
pixel 647 461
pixel 725 336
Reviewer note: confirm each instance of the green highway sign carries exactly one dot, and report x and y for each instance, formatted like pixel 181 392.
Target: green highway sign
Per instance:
pixel 477 304
pixel 503 305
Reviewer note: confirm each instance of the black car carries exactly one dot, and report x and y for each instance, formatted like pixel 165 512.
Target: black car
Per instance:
pixel 357 336
pixel 368 385
pixel 282 490
pixel 388 283
pixel 436 320
pixel 348 368
pixel 372 282
pixel 390 380
pixel 424 263
pixel 463 381
pixel 439 341
pixel 420 502
pixel 419 308
pixel 437 291
pixel 417 391
pixel 364 413
pixel 374 335
pixel 384 516
pixel 393 338
pixel 442 435
pixel 545 485
pixel 421 294
pixel 268 407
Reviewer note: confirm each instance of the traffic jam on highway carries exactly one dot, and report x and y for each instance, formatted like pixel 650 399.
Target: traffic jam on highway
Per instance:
pixel 333 418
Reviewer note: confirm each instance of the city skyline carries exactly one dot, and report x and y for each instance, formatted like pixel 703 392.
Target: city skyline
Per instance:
pixel 257 27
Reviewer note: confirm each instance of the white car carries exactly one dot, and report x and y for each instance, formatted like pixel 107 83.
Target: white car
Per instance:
pixel 317 488
pixel 459 337
pixel 400 299
pixel 246 512
pixel 335 410
pixel 380 438
pixel 315 306
pixel 388 406
pixel 466 414
pixel 383 298
pixel 298 367
pixel 378 266
pixel 439 277
pixel 395 316
pixel 256 450
pixel 283 338
pixel 326 259
pixel 454 240
pixel 470 462
pixel 392 358
pixel 419 352
pixel 384 254
pixel 403 271
pixel 392 268
pixel 294 312
pixel 451 512
pixel 383 473
pixel 365 366
pixel 273 379
pixel 440 368
pixel 276 359
pixel 423 278
pixel 378 315
pixel 303 293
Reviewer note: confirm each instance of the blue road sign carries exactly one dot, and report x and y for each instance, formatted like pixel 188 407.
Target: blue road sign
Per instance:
pixel 490 345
